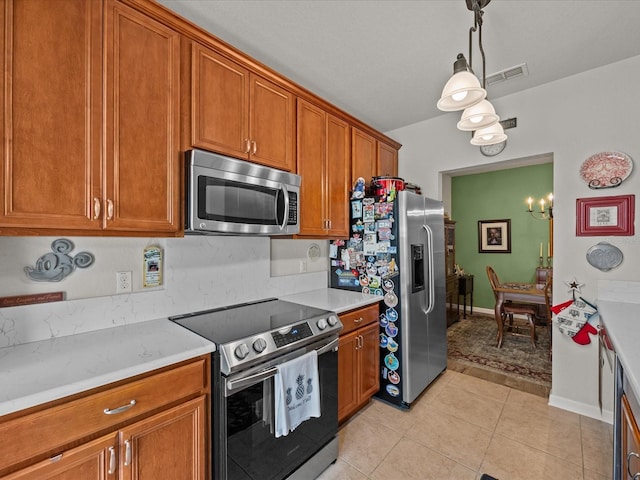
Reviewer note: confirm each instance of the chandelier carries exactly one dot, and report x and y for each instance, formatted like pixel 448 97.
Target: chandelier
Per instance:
pixel 463 91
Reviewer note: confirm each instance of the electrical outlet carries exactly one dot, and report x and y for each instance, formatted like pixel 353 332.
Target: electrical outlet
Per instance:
pixel 123 282
pixel 303 266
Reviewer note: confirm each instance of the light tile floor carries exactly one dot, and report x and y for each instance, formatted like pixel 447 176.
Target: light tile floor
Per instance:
pixel 463 426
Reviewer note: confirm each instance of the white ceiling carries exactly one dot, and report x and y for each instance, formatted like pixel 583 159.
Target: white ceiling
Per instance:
pixel 386 61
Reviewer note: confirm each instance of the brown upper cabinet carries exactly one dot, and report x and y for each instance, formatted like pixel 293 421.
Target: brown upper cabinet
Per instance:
pixel 236 112
pixel 363 156
pixel 371 158
pixel 323 164
pixel 387 164
pixel 73 163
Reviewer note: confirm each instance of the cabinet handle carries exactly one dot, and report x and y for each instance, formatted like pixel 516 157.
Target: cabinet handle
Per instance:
pixel 112 461
pixel 629 455
pixel 127 453
pixel 96 208
pixel 254 147
pixel 358 320
pixel 247 145
pixel 109 209
pixel 121 409
pixel 329 224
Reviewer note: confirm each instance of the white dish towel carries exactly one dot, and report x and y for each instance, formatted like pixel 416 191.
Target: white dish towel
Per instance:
pixel 296 393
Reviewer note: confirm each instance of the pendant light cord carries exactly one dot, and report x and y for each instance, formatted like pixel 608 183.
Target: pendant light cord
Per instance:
pixel 477 26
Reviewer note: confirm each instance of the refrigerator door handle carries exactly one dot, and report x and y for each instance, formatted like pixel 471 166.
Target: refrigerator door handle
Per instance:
pixel 431 294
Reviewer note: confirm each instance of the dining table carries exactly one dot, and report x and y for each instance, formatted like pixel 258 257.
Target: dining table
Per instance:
pixel 516 292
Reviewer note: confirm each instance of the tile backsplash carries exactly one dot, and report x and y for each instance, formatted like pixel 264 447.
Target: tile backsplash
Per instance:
pixel 200 272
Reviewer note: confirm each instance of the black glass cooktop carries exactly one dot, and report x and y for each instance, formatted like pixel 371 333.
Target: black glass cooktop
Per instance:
pixel 224 325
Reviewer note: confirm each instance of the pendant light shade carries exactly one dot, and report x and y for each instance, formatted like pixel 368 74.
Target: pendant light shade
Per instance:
pixel 489 136
pixel 462 90
pixel 480 115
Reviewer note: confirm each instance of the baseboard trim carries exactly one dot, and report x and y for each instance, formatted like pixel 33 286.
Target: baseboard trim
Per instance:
pixel 580 408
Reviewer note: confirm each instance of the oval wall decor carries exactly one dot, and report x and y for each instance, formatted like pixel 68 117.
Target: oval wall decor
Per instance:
pixel 604 256
pixel 606 169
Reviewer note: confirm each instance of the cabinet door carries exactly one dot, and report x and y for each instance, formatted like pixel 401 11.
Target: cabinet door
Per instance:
pixel 348 396
pixel 369 361
pixel 387 160
pixel 168 445
pixel 338 173
pixel 363 156
pixel 311 139
pixel 142 122
pixel 630 441
pixel 219 103
pixel 51 113
pixel 271 124
pixel 95 460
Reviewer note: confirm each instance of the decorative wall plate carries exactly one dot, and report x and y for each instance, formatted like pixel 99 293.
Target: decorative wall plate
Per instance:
pixel 604 256
pixel 606 169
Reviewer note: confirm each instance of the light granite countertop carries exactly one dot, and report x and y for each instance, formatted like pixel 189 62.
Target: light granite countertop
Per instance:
pixel 333 299
pixel 619 308
pixel 39 372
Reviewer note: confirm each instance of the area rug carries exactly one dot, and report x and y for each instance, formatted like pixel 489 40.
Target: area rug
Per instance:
pixel 472 341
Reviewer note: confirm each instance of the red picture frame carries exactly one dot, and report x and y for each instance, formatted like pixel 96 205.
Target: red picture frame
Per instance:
pixel 601 216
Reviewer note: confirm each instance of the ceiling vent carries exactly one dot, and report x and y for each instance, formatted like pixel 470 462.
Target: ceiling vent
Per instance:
pixel 507 74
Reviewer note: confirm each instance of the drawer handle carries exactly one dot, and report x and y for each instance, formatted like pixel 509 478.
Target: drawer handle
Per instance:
pixel 112 461
pixel 121 409
pixel 358 320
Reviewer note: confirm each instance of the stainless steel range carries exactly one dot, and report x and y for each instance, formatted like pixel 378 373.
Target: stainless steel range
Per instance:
pixel 253 340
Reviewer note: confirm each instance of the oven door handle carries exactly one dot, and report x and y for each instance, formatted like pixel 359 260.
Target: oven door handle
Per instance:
pixel 333 345
pixel 242 382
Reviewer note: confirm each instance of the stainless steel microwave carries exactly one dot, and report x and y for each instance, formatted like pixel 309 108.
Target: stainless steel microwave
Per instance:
pixel 229 196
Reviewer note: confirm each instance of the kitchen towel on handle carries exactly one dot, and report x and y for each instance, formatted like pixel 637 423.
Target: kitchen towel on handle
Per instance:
pixel 296 393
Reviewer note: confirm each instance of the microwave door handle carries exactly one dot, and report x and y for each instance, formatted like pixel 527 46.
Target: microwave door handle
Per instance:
pixel 285 217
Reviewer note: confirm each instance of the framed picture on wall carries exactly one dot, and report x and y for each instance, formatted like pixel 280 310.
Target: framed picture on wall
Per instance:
pixel 494 236
pixel 601 216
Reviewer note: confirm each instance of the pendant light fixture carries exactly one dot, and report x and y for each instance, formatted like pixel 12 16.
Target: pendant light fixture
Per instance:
pixel 463 90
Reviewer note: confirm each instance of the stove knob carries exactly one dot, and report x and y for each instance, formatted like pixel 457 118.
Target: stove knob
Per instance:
pixel 333 321
pixel 259 345
pixel 241 351
pixel 322 324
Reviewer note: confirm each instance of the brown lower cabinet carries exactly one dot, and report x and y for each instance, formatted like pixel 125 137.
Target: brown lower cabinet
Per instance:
pixel 358 360
pixel 163 434
pixel 630 451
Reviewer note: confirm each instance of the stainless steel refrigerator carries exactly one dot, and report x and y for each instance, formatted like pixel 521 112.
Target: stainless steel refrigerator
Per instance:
pixel 396 250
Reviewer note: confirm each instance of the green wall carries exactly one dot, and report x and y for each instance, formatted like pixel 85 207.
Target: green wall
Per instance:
pixel 495 196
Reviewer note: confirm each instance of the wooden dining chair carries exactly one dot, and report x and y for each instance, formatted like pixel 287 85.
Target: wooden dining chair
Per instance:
pixel 548 295
pixel 509 309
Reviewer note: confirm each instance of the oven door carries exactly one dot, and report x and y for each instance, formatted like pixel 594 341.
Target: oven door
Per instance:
pixel 252 450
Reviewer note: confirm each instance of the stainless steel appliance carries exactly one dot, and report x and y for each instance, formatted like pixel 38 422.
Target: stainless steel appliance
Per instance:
pixel 252 340
pixel 229 196
pixel 396 250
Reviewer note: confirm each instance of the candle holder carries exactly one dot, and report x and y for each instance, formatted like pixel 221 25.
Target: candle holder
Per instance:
pixel 541 261
pixel 549 262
